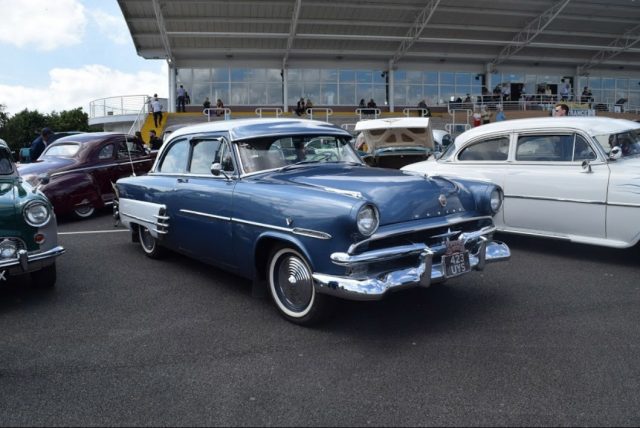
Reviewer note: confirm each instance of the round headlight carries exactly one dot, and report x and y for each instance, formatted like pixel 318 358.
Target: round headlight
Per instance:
pixel 367 220
pixel 8 249
pixel 496 200
pixel 37 214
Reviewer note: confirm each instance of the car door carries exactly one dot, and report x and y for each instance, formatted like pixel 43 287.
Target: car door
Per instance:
pixel 485 158
pixel 200 205
pixel 104 169
pixel 548 191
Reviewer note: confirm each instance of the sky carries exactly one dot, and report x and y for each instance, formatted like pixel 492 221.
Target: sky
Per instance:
pixel 62 54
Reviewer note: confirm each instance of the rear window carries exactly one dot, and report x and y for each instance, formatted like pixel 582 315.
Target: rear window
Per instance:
pixel 65 150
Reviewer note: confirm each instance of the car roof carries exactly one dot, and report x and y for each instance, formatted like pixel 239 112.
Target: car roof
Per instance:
pixel 392 122
pixel 241 129
pixel 86 137
pixel 592 125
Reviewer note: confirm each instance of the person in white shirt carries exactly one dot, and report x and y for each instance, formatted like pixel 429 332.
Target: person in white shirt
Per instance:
pixel 156 109
pixel 181 99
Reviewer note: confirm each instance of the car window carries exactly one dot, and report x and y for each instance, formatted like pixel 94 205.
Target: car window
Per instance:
pixel 545 148
pixel 65 150
pixel 207 152
pixel 106 152
pixel 493 149
pixel 175 158
pixel 270 153
pixel 582 150
pixel 128 149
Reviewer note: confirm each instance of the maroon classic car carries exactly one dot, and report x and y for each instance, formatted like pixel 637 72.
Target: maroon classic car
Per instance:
pixel 76 172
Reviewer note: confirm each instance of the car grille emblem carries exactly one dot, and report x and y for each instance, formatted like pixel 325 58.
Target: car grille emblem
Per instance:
pixel 443 200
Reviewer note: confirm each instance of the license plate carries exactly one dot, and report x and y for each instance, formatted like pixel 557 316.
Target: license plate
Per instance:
pixel 456 260
pixel 3 275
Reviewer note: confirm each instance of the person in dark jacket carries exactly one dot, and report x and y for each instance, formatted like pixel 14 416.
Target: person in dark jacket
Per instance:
pixel 154 141
pixel 39 144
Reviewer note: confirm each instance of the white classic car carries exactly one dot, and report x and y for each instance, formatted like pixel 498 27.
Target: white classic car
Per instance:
pixel 571 178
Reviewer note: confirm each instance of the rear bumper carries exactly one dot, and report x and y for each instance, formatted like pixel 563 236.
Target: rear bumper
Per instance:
pixel 422 274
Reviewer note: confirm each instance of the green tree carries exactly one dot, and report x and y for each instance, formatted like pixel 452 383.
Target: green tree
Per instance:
pixel 70 120
pixel 20 129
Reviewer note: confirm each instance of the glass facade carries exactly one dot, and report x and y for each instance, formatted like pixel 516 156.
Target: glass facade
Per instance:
pixel 346 87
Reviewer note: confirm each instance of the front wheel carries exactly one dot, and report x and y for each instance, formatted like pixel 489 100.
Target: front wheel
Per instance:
pixel 291 287
pixel 149 244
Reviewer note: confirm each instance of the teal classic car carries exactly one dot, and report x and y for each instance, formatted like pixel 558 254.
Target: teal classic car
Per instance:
pixel 28 228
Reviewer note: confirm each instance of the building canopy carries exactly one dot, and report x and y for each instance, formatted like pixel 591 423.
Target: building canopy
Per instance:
pixel 582 35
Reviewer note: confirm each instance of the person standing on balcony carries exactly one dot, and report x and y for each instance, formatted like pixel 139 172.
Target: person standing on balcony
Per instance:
pixel 219 107
pixel 156 109
pixel 181 99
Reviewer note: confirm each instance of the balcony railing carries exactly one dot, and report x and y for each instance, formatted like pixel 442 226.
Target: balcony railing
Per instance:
pixel 121 105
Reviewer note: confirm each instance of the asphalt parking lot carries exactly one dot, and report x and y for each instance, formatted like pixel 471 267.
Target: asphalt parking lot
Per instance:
pixel 549 338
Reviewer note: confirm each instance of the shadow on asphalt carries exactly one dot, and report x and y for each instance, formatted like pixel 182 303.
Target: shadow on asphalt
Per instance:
pixel 555 247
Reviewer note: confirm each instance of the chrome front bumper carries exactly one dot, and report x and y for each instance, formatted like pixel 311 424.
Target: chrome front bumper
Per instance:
pixel 423 274
pixel 26 262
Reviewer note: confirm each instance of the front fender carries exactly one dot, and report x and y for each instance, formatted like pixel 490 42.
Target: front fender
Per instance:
pixel 68 190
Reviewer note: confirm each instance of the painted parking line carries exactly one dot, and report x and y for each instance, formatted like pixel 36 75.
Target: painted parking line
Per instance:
pixel 88 232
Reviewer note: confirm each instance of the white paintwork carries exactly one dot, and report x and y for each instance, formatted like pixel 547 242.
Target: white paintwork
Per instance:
pixel 396 131
pixel 556 199
pixel 139 212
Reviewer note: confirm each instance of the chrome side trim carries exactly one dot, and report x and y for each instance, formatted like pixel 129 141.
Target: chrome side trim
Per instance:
pixel 576 201
pixel 296 230
pixel 544 198
pixel 89 168
pixel 201 214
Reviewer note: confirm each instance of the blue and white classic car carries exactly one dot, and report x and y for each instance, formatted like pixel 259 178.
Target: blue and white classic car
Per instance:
pixel 254 197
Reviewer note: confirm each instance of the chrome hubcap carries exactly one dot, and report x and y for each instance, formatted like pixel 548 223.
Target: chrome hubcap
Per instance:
pixel 294 284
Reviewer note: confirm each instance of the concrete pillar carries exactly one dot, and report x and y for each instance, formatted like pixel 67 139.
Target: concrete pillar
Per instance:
pixel 390 85
pixel 171 99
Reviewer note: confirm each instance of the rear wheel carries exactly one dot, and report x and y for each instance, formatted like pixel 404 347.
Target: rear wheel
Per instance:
pixel 45 277
pixel 291 287
pixel 84 211
pixel 149 244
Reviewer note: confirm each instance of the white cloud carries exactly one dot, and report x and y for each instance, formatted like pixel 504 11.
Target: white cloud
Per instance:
pixel 113 27
pixel 42 24
pixel 72 88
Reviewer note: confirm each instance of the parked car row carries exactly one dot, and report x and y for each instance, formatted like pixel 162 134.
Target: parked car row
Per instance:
pixel 291 204
pixel 79 170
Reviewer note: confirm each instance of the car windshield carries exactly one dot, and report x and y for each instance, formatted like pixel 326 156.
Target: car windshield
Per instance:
pixel 6 165
pixel 628 141
pixel 278 152
pixel 65 150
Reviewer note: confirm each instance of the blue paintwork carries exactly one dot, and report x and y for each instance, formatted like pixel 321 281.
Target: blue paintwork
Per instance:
pixel 308 196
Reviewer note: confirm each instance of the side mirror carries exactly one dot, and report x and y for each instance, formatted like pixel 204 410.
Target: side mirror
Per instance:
pixel 216 170
pixel 586 167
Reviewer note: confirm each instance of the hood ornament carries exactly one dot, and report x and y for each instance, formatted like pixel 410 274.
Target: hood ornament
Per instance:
pixel 443 200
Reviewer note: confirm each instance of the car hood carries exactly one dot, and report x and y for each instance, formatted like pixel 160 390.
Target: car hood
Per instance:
pixel 400 196
pixel 48 165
